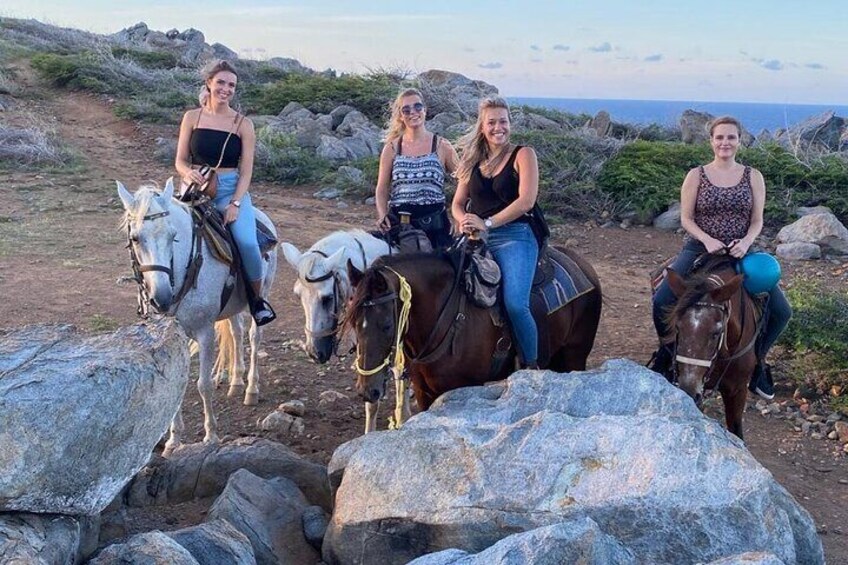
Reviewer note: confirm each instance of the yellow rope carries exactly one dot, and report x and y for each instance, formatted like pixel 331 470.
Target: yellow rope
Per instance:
pixel 405 295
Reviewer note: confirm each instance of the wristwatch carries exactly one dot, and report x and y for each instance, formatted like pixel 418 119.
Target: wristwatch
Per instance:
pixel 236 203
pixel 488 223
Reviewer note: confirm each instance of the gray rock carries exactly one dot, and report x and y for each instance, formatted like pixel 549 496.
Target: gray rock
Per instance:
pixel 445 91
pixel 152 548
pixel 360 146
pixel 192 35
pixel 269 513
pixel 292 108
pixel 440 123
pixel 671 485
pixel 578 541
pixel 693 126
pixel 355 121
pixel 601 123
pixel 670 219
pixel 282 424
pixel 288 65
pixel 750 558
pixel 46 539
pixel 327 193
pixel 198 471
pixel 823 130
pixel 133 34
pixel 221 51
pixel 807 210
pixel 81 414
pixel 333 149
pixel 315 522
pixel 824 230
pixel 216 541
pixel 798 251
pixel 348 176
pixel 293 407
pixel 165 150
pixel 338 114
pixel 529 121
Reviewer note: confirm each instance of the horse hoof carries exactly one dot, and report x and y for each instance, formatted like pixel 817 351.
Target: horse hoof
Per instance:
pixel 235 391
pixel 169 449
pixel 251 399
pixel 211 438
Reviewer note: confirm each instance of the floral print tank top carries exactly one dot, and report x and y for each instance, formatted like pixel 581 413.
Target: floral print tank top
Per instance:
pixel 724 212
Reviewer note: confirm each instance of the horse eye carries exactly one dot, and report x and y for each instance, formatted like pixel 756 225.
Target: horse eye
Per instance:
pixel 326 300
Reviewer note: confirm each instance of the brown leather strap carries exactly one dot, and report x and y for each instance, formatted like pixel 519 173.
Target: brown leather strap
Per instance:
pixel 236 124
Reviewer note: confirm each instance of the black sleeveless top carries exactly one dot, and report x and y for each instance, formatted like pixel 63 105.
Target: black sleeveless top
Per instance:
pixel 205 148
pixel 491 195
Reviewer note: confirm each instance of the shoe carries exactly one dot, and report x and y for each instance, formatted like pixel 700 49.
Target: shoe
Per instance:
pixel 762 383
pixel 262 312
pixel 661 361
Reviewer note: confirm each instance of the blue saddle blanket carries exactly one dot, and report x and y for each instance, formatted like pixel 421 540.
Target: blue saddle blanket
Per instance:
pixel 564 281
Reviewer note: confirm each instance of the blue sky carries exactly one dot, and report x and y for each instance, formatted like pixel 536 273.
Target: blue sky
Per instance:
pixel 742 50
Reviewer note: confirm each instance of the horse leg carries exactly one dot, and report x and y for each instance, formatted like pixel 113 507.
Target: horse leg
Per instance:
pixel 177 431
pixel 205 339
pixel 236 327
pixel 734 407
pixel 251 395
pixel 371 409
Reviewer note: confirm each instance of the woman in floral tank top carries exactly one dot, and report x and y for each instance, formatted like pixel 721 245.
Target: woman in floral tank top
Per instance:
pixel 721 208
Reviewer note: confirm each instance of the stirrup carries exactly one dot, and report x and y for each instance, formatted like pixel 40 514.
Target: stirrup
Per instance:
pixel 261 306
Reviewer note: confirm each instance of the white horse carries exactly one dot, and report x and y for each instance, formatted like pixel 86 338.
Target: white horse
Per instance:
pixel 160 230
pixel 324 288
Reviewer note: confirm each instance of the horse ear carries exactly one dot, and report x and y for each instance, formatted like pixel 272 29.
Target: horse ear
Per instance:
pixel 169 191
pixel 676 283
pixel 127 198
pixel 724 292
pixel 334 261
pixel 292 254
pixel 354 274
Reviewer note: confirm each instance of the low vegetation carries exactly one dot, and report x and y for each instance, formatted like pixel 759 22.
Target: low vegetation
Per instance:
pixel 817 340
pixel 34 147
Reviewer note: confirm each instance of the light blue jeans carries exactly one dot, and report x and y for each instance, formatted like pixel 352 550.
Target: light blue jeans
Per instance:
pixel 244 228
pixel 515 251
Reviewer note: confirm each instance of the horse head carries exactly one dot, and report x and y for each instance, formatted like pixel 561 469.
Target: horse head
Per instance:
pixel 375 316
pixel 703 319
pixel 150 237
pixel 322 290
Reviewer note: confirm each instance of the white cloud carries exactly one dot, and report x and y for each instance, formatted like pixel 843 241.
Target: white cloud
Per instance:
pixel 772 65
pixel 492 65
pixel 604 47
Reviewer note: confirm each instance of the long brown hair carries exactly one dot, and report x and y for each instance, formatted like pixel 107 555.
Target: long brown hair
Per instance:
pixel 473 145
pixel 395 126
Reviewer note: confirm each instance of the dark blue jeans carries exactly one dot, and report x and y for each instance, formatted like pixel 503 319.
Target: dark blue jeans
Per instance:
pixel 779 310
pixel 515 251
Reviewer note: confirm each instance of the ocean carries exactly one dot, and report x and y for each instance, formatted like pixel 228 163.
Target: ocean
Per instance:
pixel 754 117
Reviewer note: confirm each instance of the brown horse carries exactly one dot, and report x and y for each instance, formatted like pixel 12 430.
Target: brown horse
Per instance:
pixel 412 304
pixel 717 324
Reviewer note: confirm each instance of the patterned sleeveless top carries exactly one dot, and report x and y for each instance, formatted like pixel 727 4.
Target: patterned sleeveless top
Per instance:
pixel 417 180
pixel 724 212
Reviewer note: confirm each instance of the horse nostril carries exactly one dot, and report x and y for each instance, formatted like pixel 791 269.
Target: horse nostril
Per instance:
pixel 698 398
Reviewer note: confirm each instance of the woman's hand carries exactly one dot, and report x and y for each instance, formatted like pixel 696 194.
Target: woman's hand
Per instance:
pixel 739 247
pixel 471 223
pixel 714 246
pixel 194 177
pixel 231 213
pixel 383 224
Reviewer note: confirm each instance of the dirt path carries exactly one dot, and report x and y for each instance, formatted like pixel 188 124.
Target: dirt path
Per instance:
pixel 61 254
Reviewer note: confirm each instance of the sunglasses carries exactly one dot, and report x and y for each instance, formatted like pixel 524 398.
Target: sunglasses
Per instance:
pixel 417 108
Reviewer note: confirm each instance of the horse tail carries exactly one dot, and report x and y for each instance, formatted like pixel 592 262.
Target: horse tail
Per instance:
pixel 226 350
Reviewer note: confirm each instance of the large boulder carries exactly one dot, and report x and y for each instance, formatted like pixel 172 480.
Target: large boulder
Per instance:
pixel 216 541
pixel 200 470
pixel 151 548
pixel 445 91
pixel 693 128
pixel 798 251
pixel 822 229
pixel 670 219
pixel 823 130
pixel 440 123
pixel 80 415
pixel 580 541
pixel 46 539
pixel 270 513
pixel 618 445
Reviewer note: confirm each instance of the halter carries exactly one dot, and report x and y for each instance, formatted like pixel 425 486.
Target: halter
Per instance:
pixel 405 296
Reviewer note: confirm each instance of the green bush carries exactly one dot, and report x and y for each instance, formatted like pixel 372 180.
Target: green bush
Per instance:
pixel 817 336
pixel 147 59
pixel 60 70
pixel 280 159
pixel 322 93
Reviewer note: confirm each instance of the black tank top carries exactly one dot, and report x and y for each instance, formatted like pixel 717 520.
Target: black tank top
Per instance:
pixel 205 148
pixel 491 195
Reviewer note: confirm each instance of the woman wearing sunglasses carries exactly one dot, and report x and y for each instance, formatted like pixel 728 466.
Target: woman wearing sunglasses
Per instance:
pixel 413 167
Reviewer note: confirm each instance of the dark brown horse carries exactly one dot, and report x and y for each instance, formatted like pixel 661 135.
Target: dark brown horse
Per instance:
pixel 449 342
pixel 716 322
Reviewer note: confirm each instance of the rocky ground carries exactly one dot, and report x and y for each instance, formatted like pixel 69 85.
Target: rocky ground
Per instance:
pixel 61 254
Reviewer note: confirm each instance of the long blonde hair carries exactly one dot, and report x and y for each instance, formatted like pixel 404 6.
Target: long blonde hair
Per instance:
pixel 395 126
pixel 472 145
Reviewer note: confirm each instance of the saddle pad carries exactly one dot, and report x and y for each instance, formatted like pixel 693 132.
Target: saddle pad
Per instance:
pixel 220 241
pixel 568 282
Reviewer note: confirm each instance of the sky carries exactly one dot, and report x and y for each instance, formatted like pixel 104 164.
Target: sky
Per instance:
pixel 778 51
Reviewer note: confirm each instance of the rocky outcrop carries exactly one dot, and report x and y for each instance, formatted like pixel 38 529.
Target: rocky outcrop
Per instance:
pixel 693 128
pixel 269 512
pixel 445 91
pixel 152 548
pixel 46 539
pixel 190 45
pixel 823 229
pixel 823 131
pixel 669 484
pixel 798 251
pixel 198 471
pixel 216 541
pixel 81 414
pixel 670 219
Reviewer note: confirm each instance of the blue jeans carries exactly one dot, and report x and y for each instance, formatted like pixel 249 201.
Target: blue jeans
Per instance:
pixel 244 228
pixel 515 250
pixel 778 313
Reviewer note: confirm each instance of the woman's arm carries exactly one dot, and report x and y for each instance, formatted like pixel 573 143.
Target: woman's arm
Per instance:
pixel 688 197
pixel 245 168
pixel 448 156
pixel 383 189
pixel 460 200
pixel 183 160
pixel 758 191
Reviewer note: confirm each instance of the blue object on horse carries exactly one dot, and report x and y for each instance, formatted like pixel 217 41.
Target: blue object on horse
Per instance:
pixel 761 270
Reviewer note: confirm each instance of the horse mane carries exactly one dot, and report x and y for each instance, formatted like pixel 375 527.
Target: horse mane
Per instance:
pixel 698 283
pixel 143 197
pixel 329 245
